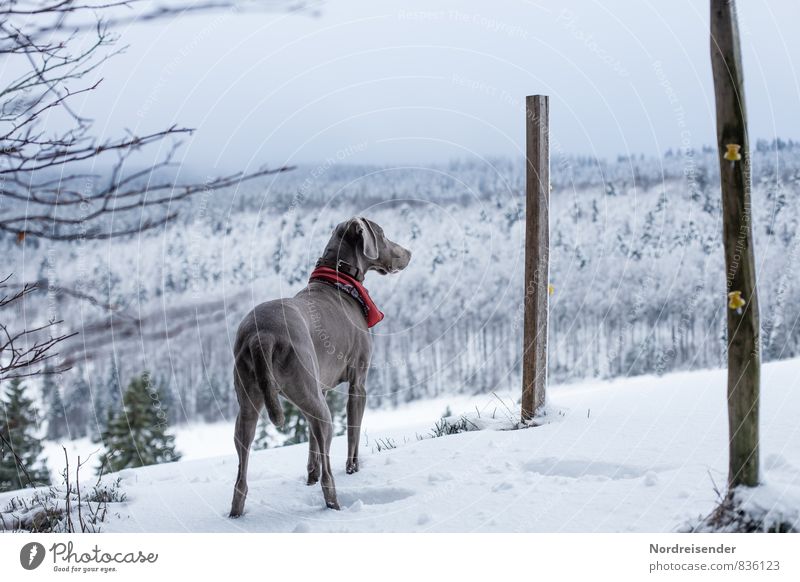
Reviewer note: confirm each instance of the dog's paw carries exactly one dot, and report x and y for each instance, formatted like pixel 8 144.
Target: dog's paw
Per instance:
pixel 237 506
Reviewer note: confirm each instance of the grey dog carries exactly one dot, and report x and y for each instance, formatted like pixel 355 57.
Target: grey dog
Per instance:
pixel 302 346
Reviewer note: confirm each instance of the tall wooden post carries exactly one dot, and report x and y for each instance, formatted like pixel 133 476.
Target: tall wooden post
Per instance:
pixel 744 359
pixel 537 251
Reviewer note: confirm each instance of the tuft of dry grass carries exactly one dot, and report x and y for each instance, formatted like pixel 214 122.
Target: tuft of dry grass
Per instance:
pixel 732 515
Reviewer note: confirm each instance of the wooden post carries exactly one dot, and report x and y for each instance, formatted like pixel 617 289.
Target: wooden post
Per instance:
pixel 537 250
pixel 744 360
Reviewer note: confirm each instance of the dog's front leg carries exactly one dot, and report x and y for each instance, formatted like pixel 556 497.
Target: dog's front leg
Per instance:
pixel 356 402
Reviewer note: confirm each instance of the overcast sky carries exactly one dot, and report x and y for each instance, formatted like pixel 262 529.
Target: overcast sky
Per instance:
pixel 428 80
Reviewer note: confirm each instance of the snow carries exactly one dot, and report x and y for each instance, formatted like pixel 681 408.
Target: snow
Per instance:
pixel 772 504
pixel 204 440
pixel 647 458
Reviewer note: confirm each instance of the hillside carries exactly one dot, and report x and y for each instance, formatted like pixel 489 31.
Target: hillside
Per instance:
pixel 636 266
pixel 637 454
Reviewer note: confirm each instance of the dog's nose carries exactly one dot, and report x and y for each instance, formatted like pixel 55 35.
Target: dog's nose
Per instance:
pixel 402 261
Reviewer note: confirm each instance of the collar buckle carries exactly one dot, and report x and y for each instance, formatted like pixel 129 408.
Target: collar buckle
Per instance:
pixel 341 266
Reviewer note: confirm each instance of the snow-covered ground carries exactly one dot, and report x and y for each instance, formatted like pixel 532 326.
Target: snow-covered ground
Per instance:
pixel 637 454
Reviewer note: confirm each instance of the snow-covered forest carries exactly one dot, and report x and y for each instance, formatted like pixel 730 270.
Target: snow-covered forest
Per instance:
pixel 636 268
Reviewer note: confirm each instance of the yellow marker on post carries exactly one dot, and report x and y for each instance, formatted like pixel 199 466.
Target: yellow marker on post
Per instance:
pixel 735 300
pixel 550 289
pixel 734 152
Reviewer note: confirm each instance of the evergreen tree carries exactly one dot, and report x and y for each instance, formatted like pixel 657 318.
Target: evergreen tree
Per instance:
pixel 295 425
pixel 57 423
pixel 337 403
pixel 106 401
pixel 136 435
pixel 51 397
pixel 212 398
pixel 77 405
pixel 113 395
pixel 168 401
pixel 19 443
pixel 263 439
pixel 49 385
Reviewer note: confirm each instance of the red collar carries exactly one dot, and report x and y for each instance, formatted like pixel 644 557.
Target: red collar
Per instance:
pixel 353 288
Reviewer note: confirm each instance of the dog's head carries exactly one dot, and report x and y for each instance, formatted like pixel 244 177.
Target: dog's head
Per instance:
pixel 363 244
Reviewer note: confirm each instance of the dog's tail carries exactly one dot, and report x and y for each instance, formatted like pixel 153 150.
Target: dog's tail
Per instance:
pixel 261 352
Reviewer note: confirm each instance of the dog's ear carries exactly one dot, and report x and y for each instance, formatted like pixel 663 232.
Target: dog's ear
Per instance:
pixel 369 240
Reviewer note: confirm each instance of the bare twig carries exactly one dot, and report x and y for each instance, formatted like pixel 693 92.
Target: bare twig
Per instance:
pixel 54 48
pixel 67 500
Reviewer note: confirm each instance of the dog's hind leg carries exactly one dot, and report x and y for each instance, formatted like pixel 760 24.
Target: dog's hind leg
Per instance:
pixel 298 375
pixel 244 434
pixel 250 405
pixel 321 426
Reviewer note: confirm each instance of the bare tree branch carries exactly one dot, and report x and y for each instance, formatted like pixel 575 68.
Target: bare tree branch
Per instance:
pixel 54 48
pixel 25 352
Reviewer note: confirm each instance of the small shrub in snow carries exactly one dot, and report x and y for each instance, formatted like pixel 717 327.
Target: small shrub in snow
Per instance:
pixel 107 492
pixel 448 426
pixel 753 510
pixel 385 444
pixel 39 511
pixel 62 509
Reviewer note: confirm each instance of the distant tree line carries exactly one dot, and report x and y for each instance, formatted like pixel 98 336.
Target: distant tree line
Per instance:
pixel 635 267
